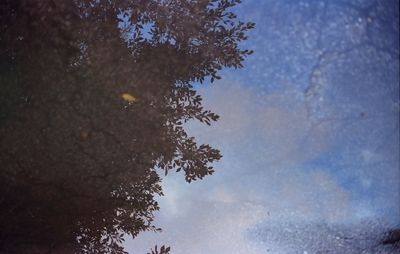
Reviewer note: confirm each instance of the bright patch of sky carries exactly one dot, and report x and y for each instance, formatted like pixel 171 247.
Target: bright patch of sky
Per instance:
pixel 309 131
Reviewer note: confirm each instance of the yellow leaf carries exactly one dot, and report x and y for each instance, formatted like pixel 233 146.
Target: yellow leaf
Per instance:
pixel 128 97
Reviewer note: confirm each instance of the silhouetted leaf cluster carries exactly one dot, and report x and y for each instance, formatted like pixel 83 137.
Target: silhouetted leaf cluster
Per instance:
pixel 163 250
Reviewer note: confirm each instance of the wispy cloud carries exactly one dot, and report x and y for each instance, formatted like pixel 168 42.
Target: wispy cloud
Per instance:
pixel 266 142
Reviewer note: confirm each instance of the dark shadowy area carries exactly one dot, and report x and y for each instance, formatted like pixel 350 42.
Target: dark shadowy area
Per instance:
pixel 93 97
pixel 393 238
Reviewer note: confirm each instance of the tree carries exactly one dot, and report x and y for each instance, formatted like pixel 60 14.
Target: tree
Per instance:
pixel 94 95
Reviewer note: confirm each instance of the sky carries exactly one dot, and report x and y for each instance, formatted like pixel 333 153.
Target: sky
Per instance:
pixel 309 133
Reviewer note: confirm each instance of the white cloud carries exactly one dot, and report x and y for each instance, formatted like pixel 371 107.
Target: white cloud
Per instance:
pixel 265 141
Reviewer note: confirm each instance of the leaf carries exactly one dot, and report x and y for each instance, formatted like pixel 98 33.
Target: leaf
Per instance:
pixel 128 97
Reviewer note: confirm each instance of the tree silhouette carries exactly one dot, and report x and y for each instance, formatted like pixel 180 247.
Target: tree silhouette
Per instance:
pixel 94 95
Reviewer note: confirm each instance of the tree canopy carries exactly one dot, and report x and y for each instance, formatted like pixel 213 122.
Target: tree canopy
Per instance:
pixel 94 96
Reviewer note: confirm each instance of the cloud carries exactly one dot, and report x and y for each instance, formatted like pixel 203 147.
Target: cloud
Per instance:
pixel 266 141
pixel 276 123
pixel 213 221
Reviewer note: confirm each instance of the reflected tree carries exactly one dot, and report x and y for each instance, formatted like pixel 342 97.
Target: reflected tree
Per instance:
pixel 94 95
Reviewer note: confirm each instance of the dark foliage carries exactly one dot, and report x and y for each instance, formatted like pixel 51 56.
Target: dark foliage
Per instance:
pixel 163 250
pixel 93 97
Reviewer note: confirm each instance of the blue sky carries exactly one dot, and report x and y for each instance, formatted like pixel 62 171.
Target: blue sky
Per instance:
pixel 309 131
